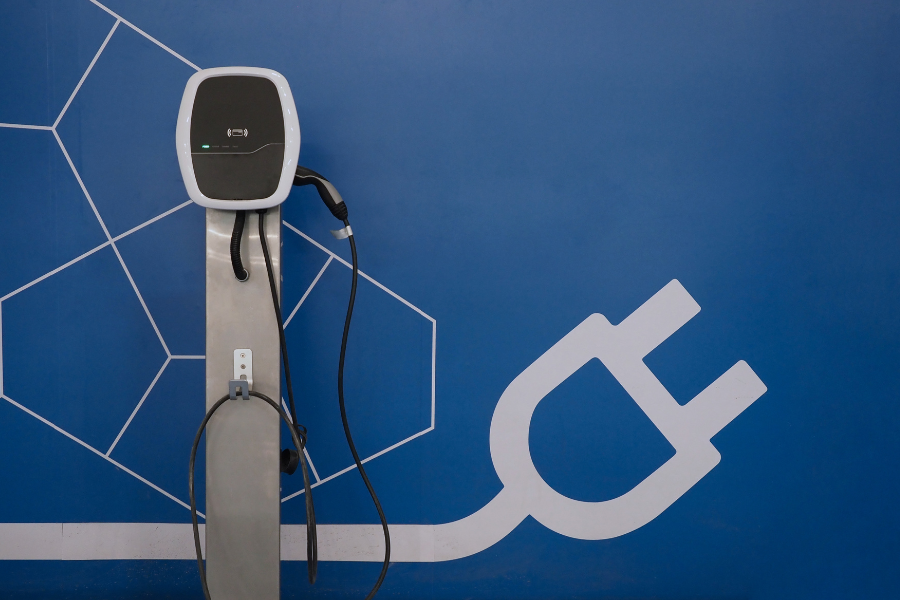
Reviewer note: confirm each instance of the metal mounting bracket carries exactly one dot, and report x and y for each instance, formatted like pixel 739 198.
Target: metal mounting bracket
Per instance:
pixel 243 365
pixel 238 386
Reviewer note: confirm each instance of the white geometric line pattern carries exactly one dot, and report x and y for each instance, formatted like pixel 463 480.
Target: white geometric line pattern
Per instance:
pixel 332 257
pixel 86 73
pixel 95 451
pixel 111 241
pixel 312 467
pixel 149 37
pixel 308 290
pixel 139 404
pixel 19 126
pixel 54 271
pixel 151 221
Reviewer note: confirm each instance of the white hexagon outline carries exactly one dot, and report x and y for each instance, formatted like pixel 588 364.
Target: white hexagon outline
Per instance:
pixel 332 257
pixel 111 242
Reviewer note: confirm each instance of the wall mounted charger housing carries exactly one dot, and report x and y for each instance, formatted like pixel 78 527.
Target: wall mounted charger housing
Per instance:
pixel 238 138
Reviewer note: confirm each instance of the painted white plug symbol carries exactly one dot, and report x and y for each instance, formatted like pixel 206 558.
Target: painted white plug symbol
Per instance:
pixel 621 348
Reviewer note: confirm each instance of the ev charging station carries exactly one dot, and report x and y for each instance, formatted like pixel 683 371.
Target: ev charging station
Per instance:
pixel 238 139
pixel 547 409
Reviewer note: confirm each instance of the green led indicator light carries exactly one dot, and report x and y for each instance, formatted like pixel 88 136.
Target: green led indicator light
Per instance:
pixel 205 146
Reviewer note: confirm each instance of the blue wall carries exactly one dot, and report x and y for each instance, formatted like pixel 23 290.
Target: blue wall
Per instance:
pixel 510 168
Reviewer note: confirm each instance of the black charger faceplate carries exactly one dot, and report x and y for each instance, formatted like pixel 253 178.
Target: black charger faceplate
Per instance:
pixel 237 137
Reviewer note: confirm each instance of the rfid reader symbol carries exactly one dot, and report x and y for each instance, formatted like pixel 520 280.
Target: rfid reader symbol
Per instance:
pixel 237 133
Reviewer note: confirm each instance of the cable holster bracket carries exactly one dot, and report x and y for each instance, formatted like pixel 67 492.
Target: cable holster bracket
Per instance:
pixel 238 386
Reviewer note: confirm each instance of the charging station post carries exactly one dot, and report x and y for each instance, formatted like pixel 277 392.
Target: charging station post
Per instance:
pixel 243 500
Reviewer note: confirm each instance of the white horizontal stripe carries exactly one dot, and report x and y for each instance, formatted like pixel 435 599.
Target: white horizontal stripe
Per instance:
pixel 31 541
pixel 175 541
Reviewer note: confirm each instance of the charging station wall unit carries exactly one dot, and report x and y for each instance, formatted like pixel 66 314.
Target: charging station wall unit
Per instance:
pixel 238 138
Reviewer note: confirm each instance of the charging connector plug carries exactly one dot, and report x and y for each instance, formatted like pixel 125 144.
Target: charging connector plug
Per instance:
pixel 327 192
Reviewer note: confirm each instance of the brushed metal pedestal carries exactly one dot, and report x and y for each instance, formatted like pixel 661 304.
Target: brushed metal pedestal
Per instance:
pixel 243 505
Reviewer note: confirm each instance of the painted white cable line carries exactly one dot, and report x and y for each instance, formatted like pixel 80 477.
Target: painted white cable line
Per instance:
pixel 188 357
pixel 97 452
pixel 148 36
pixel 86 73
pixel 97 541
pixel 175 541
pixel 308 290
pixel 139 404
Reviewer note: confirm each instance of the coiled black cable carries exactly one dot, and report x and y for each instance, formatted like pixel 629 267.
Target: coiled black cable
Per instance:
pixel 239 271
pixel 196 527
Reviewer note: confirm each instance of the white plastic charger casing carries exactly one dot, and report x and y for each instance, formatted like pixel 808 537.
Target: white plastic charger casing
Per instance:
pixel 291 139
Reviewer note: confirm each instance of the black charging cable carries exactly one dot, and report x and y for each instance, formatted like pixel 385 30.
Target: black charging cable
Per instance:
pixel 196 527
pixel 338 208
pixel 312 545
pixel 359 465
pixel 298 431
